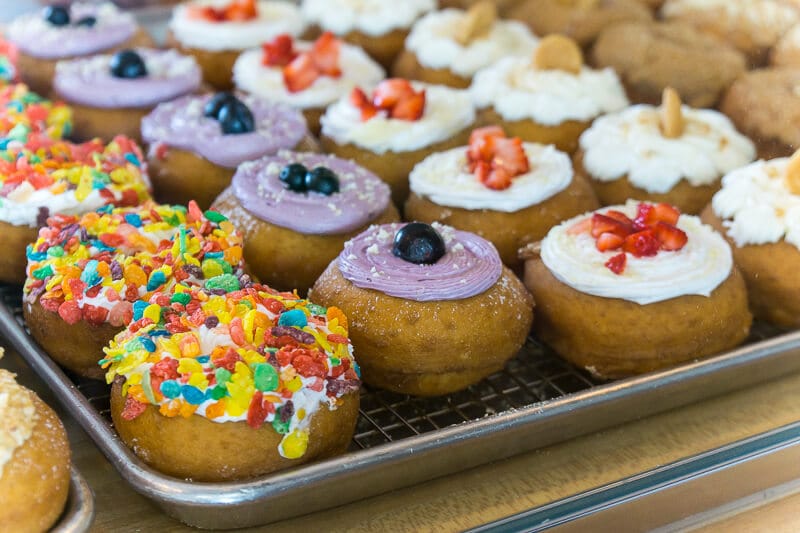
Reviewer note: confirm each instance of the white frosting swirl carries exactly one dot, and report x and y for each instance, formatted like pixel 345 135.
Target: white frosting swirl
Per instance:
pixel 447 111
pixel 518 91
pixel 371 17
pixel 756 205
pixel 445 180
pixel 631 143
pixel 698 268
pixel 432 40
pixel 21 207
pixel 273 19
pixel 357 68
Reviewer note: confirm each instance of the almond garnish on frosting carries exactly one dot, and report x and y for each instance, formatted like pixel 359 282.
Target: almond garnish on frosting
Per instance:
pixel 558 52
pixel 495 159
pixel 672 120
pixel 792 177
pixel 477 22
pixel 395 98
pixel 235 11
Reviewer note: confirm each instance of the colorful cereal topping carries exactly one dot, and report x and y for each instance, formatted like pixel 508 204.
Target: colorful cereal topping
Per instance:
pixel 25 114
pixel 250 354
pixel 8 61
pixel 96 267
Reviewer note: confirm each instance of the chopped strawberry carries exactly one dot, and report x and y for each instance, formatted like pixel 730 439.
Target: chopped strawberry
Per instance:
pixel 498 179
pixel 391 91
pixel 279 52
pixel 360 100
pixel 481 146
pixel 670 237
pixel 487 131
pixel 642 243
pixel 510 155
pixel 300 73
pixel 619 215
pixel 410 108
pixel 616 264
pixel 584 226
pixel 494 159
pixel 241 10
pixel 609 241
pixel 648 214
pixel 605 224
pixel 325 53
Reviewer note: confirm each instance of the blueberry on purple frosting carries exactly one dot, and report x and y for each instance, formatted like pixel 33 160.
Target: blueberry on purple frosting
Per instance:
pixel 56 15
pixel 213 106
pixel 322 180
pixel 418 243
pixel 88 21
pixel 232 114
pixel 128 64
pixel 294 177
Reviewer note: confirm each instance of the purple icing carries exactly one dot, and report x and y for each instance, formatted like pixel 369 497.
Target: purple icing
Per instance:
pixel 470 266
pixel 38 38
pixel 361 198
pixel 89 82
pixel 181 124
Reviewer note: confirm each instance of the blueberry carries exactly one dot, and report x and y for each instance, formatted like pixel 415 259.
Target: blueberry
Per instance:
pixel 128 64
pixel 418 243
pixel 235 117
pixel 87 21
pixel 322 180
pixel 211 110
pixel 56 15
pixel 294 176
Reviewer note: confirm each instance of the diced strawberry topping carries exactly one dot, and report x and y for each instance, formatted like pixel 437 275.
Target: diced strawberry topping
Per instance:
pixel 279 52
pixel 321 60
pixel 495 159
pixel 395 96
pixel 300 74
pixel 236 11
pixel 325 52
pixel 653 229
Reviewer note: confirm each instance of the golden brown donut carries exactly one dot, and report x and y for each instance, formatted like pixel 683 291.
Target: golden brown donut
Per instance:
pixel 217 65
pixel 16 238
pixel 428 348
pixel 407 66
pixel 35 479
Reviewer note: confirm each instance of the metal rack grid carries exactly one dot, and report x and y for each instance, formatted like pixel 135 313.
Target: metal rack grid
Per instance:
pixel 535 375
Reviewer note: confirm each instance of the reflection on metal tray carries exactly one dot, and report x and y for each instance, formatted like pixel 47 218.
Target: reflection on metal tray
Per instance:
pixel 537 400
pixel 78 513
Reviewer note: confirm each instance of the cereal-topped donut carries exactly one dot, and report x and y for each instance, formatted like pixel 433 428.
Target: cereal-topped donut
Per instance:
pixel 415 294
pixel 226 386
pixel 86 273
pixel 34 459
pixel 25 115
pixel 41 177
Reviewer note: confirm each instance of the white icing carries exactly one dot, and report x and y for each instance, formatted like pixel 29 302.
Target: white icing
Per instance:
pixel 432 40
pixel 631 143
pixel 698 268
pixel 371 17
pixel 447 112
pixel 769 18
pixel 273 19
pixel 518 91
pixel 757 207
pixel 21 207
pixel 444 179
pixel 17 416
pixel 358 69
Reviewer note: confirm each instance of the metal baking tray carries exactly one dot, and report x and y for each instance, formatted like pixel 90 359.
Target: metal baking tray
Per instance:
pixel 78 513
pixel 536 401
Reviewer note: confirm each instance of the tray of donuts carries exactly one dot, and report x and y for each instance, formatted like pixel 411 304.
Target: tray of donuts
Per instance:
pixel 318 283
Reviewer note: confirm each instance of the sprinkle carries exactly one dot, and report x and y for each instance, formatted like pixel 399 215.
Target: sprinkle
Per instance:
pixel 226 282
pixel 193 395
pixel 265 376
pixel 294 444
pixel 170 389
pixel 295 317
pixel 157 279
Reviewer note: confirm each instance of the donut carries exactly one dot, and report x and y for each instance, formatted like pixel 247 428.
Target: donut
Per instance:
pixel 34 459
pixel 235 385
pixel 43 177
pixel 86 273
pixel 197 141
pixel 636 288
pixel 292 231
pixel 431 309
pixel 111 93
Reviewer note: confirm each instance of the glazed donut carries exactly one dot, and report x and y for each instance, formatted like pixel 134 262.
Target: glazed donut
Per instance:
pixel 426 329
pixel 234 385
pixel 42 177
pixel 85 274
pixel 292 233
pixel 34 460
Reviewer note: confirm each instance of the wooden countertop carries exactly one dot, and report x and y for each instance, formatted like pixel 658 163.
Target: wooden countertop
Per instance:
pixel 507 487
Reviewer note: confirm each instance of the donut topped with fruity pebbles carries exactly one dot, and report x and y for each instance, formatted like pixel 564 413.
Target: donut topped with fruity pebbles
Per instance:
pixel 26 115
pixel 46 177
pixel 251 355
pixel 97 266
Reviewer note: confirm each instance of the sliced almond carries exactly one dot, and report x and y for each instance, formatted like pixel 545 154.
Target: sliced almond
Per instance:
pixel 476 22
pixel 672 121
pixel 558 52
pixel 792 177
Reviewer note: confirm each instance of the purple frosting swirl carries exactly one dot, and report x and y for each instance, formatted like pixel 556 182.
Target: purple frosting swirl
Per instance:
pixel 88 81
pixel 361 198
pixel 470 266
pixel 38 38
pixel 181 124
